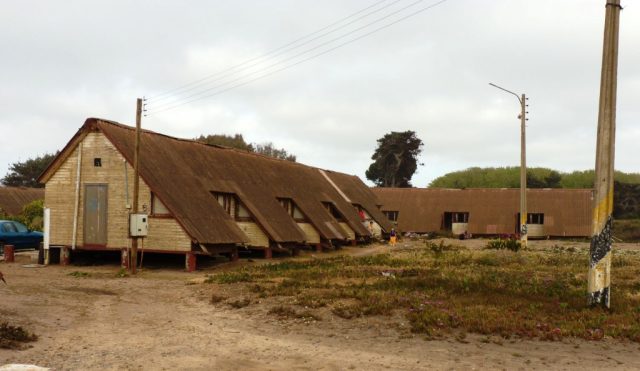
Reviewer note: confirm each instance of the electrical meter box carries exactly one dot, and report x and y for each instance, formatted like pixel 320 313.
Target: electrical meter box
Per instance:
pixel 138 225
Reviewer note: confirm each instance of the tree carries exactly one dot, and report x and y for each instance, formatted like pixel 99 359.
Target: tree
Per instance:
pixel 395 160
pixel 25 174
pixel 268 149
pixel 237 141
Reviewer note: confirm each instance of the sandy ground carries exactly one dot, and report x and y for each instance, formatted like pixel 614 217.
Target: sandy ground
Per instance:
pixel 162 320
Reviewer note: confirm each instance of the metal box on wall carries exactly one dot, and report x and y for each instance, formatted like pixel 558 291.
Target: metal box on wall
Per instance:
pixel 138 225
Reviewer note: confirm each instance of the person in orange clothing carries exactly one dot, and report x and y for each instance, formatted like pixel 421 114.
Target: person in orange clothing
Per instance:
pixel 393 237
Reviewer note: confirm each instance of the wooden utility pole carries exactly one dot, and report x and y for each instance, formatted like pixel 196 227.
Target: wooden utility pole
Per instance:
pixel 599 278
pixel 523 171
pixel 136 187
pixel 523 163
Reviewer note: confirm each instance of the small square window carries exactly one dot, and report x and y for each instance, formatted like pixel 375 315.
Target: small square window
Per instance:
pixel 97 162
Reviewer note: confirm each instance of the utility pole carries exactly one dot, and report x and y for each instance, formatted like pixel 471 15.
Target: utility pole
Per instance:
pixel 599 278
pixel 136 187
pixel 523 163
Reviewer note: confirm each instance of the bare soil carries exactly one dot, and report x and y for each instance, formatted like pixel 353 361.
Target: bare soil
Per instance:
pixel 164 318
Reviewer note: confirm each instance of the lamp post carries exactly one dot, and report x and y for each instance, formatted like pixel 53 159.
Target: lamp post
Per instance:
pixel 523 163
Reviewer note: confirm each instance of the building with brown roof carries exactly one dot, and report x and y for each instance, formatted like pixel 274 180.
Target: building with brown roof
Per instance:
pixel 200 199
pixel 14 199
pixel 488 211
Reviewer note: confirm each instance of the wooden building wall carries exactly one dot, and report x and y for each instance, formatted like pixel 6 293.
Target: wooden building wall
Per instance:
pixel 351 235
pixel 311 233
pixel 164 233
pixel 256 235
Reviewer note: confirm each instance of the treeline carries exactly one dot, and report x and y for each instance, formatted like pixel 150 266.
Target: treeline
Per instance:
pixel 237 141
pixel 537 177
pixel 626 195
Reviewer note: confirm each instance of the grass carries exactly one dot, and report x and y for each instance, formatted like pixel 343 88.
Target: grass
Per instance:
pixel 444 290
pixel 14 337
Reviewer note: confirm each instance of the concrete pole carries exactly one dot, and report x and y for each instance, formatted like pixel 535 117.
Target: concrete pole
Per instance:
pixel 523 171
pixel 599 277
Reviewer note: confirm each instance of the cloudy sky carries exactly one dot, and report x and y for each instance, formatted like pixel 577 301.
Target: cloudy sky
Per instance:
pixel 65 61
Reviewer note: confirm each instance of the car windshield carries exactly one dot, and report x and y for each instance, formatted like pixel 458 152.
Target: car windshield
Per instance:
pixel 8 227
pixel 20 227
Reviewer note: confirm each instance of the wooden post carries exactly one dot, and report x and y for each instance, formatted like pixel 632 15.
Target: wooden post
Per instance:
pixel 319 247
pixel 9 254
pixel 64 255
pixel 235 256
pixel 190 262
pixel 136 186
pixel 523 171
pixel 599 277
pixel 268 253
pixel 124 259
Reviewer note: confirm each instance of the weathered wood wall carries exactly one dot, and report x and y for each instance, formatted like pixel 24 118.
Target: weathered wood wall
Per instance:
pixel 311 233
pixel 164 233
pixel 351 235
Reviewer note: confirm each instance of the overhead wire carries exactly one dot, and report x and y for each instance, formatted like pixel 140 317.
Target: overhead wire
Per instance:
pixel 178 104
pixel 278 50
pixel 247 75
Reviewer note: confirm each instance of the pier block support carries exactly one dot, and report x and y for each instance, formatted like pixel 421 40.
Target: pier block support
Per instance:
pixel 190 262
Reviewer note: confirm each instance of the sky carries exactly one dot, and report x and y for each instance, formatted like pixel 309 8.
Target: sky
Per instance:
pixel 426 71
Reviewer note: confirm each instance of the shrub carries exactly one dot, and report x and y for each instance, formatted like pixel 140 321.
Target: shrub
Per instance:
pixel 510 244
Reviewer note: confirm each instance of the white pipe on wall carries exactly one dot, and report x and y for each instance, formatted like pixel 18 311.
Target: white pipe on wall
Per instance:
pixel 77 200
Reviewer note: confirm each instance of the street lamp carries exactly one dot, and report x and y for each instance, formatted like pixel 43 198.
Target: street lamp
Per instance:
pixel 523 164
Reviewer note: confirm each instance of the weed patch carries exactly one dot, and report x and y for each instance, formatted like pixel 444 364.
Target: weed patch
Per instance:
pixel 14 337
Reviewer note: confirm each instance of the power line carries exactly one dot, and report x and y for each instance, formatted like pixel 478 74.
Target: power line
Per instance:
pixel 161 105
pixel 303 60
pixel 278 49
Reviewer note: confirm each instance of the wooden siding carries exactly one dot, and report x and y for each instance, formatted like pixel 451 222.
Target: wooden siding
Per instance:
pixel 311 233
pixel 257 237
pixel 348 231
pixel 167 235
pixel 60 198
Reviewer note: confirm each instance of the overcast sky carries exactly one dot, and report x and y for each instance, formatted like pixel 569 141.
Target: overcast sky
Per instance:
pixel 64 61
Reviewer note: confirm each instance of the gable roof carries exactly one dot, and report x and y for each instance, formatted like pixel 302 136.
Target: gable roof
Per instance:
pixel 358 193
pixel 491 210
pixel 184 173
pixel 14 199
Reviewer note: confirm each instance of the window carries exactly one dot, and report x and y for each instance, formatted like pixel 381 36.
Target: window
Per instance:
pixel 225 200
pixel 241 212
pixel 293 210
pixel 392 215
pixel 20 228
pixel 233 206
pixel 8 228
pixel 460 217
pixel 535 218
pixel 331 208
pixel 97 162
pixel 157 207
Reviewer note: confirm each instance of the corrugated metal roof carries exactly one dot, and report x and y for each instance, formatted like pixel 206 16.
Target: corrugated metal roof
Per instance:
pixel 14 199
pixel 567 212
pixel 183 173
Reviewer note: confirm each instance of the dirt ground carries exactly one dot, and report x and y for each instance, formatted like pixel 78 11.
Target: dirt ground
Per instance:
pixel 163 319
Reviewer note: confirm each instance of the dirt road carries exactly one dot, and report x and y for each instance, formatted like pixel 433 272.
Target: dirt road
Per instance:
pixel 161 320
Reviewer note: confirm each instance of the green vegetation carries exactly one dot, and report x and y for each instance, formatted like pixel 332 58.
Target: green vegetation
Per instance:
pixel 25 174
pixel 237 141
pixel 14 337
pixel 500 244
pixel 31 215
pixel 626 189
pixel 395 160
pixel 444 290
pixel 79 274
pixel 537 177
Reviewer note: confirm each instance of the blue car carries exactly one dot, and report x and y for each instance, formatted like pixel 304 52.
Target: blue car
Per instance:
pixel 16 234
